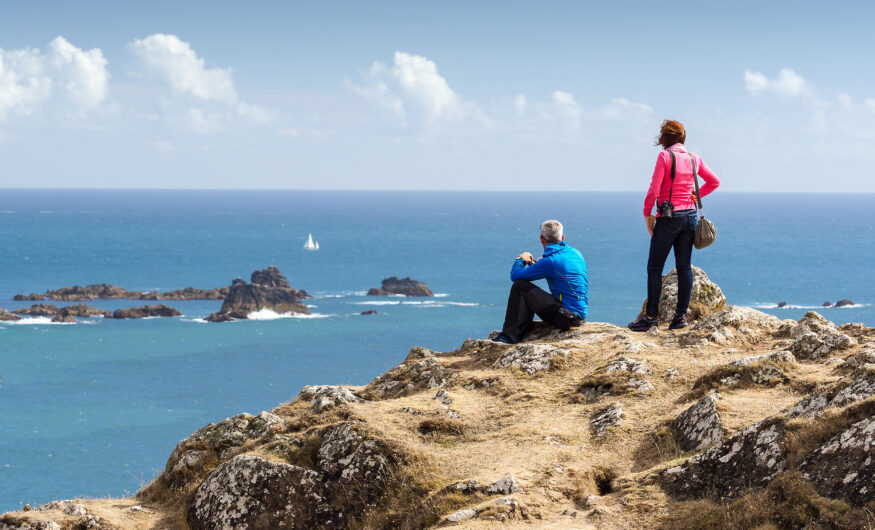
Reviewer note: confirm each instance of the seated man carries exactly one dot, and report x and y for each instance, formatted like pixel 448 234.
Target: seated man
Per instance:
pixel 565 271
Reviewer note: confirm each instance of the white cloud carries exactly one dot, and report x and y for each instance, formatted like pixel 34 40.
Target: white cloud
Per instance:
pixel 172 59
pixel 787 84
pixel 413 89
pixel 204 122
pixel 870 104
pixel 29 77
pixel 845 101
pixel 569 110
pixel 621 108
pixel 83 73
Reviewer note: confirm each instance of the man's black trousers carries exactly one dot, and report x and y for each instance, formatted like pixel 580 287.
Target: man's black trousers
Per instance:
pixel 525 301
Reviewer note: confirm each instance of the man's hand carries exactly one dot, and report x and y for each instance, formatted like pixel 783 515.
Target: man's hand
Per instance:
pixel 527 257
pixel 649 221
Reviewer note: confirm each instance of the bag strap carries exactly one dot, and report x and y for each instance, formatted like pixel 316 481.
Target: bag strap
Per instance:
pixel 696 180
pixel 672 174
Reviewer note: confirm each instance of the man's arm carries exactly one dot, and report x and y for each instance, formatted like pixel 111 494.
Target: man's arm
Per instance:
pixel 537 271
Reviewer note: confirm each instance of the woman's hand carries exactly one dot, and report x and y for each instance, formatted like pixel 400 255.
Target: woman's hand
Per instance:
pixel 649 221
pixel 694 199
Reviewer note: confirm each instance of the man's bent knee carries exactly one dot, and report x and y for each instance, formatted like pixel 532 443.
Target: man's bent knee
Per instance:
pixel 522 285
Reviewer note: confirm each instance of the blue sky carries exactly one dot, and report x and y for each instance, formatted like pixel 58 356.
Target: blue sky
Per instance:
pixel 450 95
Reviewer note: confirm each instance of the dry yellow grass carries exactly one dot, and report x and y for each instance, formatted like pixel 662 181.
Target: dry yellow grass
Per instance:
pixel 537 428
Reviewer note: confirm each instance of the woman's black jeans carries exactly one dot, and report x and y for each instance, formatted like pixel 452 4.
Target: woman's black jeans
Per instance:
pixel 677 232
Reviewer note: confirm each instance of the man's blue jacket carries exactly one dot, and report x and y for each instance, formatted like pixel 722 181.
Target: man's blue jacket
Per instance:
pixel 565 271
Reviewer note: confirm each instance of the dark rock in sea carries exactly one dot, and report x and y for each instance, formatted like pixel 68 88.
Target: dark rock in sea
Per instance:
pixel 782 304
pixel 8 317
pixel 78 293
pixel 38 310
pixel 844 302
pixel 270 277
pixel 26 297
pixel 827 304
pixel 64 318
pixel 159 310
pixel 370 312
pixel 406 286
pixel 269 290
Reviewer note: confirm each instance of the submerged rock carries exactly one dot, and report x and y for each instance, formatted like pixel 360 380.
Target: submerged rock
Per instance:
pixel 406 286
pixel 844 302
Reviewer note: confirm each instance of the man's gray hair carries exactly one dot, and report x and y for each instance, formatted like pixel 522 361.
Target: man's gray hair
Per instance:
pixel 551 231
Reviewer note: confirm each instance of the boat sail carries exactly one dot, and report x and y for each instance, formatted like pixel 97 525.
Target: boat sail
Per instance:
pixel 310 244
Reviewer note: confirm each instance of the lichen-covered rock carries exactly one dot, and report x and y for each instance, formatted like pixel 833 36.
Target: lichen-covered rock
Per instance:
pixel 414 374
pixel 504 486
pixel 251 492
pixel 776 357
pixel 750 459
pixel 699 426
pixel 736 317
pixel 625 364
pixel 349 457
pixel 842 393
pixel 531 358
pixel 843 467
pixel 218 439
pixel 864 357
pixel 814 337
pixel 605 419
pixel 72 508
pixel 461 515
pixel 706 297
pixel 323 397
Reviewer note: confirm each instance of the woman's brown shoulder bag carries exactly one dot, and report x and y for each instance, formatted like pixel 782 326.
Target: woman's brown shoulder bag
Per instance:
pixel 706 232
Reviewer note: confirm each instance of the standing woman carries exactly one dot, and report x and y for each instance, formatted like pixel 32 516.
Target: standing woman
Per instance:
pixel 675 223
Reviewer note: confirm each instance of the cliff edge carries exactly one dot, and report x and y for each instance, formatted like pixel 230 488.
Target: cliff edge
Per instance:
pixel 740 420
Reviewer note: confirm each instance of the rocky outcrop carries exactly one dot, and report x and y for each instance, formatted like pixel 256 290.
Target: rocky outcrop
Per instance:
pixel 844 302
pixel 146 311
pixel 419 371
pixel 63 313
pixel 323 397
pixel 78 293
pixel 532 358
pixel 38 310
pixel 8 317
pixel 406 286
pixel 843 393
pixel 699 426
pixel 843 467
pixel 269 290
pixel 815 337
pixel 606 419
pixel 706 297
pixel 750 459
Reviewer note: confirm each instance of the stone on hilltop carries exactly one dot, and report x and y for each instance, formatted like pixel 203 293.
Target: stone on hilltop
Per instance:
pixel 706 297
pixel 397 286
pixel 531 358
pixel 842 393
pixel 419 371
pixel 814 337
pixel 323 397
pixel 625 364
pixel 699 426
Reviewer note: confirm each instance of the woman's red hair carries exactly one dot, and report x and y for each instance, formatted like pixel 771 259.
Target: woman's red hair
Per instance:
pixel 671 132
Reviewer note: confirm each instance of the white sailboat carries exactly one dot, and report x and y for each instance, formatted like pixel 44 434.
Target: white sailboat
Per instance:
pixel 310 244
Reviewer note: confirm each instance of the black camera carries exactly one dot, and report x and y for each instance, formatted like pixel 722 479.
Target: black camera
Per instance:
pixel 665 209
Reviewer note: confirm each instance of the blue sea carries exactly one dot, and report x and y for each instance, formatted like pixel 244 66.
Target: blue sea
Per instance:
pixel 95 408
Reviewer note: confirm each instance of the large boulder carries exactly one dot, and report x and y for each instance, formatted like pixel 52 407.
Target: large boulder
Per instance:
pixel 216 440
pixel 8 317
pixel 815 337
pixel 706 297
pixel 269 290
pixel 406 286
pixel 419 371
pixel 750 459
pixel 324 397
pixel 251 492
pixel 351 471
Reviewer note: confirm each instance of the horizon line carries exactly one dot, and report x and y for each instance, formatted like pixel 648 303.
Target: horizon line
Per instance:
pixel 359 190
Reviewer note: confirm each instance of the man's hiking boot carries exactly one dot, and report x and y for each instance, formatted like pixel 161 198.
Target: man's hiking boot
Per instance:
pixel 643 323
pixel 576 321
pixel 679 321
pixel 501 337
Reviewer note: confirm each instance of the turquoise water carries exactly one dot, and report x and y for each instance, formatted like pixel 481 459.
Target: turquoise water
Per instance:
pixel 95 408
